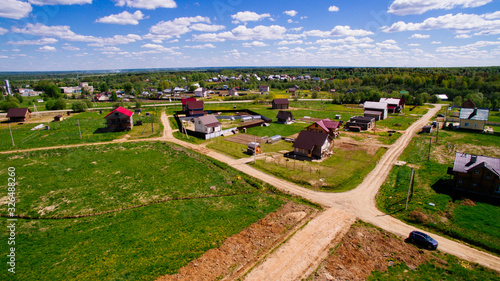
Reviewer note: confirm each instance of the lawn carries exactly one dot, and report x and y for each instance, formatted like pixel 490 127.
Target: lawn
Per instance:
pixel 139 243
pixel 68 131
pixel 453 215
pixel 342 171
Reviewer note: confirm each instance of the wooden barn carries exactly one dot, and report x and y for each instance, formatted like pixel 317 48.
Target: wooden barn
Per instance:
pixel 19 114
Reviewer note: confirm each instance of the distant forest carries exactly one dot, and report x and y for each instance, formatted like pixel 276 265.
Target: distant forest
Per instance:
pixel 418 85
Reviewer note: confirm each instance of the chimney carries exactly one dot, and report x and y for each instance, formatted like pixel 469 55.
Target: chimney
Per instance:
pixel 474 112
pixel 473 160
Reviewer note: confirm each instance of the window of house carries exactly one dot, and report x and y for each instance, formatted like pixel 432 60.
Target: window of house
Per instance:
pixel 474 184
pixel 497 189
pixel 460 181
pixel 466 124
pixel 477 172
pixel 488 175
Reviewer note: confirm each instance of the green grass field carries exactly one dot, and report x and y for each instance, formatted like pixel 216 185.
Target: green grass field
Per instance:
pixel 477 224
pixel 67 131
pixel 139 243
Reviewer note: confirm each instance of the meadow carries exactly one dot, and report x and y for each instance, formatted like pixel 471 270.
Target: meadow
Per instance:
pixel 459 216
pixel 68 131
pixel 148 214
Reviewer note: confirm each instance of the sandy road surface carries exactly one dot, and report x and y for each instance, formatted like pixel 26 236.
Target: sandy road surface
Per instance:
pixel 302 254
pixel 359 202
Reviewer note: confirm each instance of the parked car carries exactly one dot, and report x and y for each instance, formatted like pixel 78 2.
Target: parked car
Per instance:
pixel 423 240
pixel 440 115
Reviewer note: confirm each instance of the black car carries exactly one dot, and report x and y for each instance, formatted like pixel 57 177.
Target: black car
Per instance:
pixel 423 240
pixel 440 115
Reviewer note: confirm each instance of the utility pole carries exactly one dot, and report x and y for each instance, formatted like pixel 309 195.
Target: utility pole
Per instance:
pixel 79 130
pixel 12 138
pixel 437 132
pixel 255 149
pixel 409 188
pixel 151 117
pixel 429 156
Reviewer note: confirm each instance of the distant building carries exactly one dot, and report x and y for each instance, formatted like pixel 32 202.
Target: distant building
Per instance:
pixel 285 117
pixel 264 89
pixel 280 103
pixel 394 105
pixel 473 118
pixel 19 114
pixel 233 92
pixel 120 119
pixel 476 174
pixel 7 87
pixel 195 108
pixel 468 104
pixel 207 124
pixel 200 93
pixel 378 110
pixel 360 123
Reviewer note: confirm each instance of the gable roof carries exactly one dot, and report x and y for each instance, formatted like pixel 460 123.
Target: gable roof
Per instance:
pixel 474 114
pixel 284 114
pixel 209 121
pixel 392 101
pixel 375 105
pixel 17 112
pixel 309 139
pixel 184 101
pixel 121 110
pixel 281 101
pixel 328 125
pixel 194 104
pixel 468 162
pixel 468 104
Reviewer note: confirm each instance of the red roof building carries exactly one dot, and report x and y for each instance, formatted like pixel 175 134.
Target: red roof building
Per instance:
pixel 120 119
pixel 19 114
pixel 325 126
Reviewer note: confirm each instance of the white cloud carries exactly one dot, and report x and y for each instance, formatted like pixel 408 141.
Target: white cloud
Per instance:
pixel 333 9
pixel 3 31
pixel 417 7
pixel 255 44
pixel 349 40
pixel 14 9
pixel 289 21
pixel 291 13
pixel 420 36
pixel 206 27
pixel 295 42
pixel 249 16
pixel 177 27
pixel 388 45
pixel 123 18
pixel 43 41
pixel 59 2
pixel 47 49
pixel 147 4
pixel 467 48
pixel 436 42
pixel 68 47
pixel 463 36
pixel 241 32
pixel 201 47
pixel 63 32
pixel 156 49
pixel 109 49
pixel 485 24
pixel 413 45
pixel 338 30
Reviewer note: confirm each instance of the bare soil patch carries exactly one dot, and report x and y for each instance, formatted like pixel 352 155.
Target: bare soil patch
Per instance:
pixel 365 249
pixel 240 252
pixel 243 139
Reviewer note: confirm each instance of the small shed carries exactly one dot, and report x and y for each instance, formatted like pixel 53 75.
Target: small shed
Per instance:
pixel 254 148
pixel 58 118
pixel 280 104
pixel 19 114
pixel 274 139
pixel 427 129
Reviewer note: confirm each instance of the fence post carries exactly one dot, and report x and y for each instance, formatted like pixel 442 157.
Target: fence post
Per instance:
pixel 79 130
pixel 12 138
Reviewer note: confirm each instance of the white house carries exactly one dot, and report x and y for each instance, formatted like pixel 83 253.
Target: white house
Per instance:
pixel 200 92
pixel 375 109
pixel 233 92
pixel 207 124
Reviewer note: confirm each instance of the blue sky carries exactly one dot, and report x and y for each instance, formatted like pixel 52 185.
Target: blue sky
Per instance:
pixel 47 35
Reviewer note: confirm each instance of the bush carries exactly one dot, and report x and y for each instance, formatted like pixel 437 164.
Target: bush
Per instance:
pixel 79 106
pixel 118 104
pixel 56 104
pixel 6 105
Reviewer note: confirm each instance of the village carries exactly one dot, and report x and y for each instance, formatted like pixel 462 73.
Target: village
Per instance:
pixel 311 143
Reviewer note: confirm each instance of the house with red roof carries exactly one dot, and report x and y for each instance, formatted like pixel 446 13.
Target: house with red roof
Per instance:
pixel 325 126
pixel 195 108
pixel 120 119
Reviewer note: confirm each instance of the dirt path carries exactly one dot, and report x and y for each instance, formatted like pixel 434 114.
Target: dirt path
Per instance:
pixel 302 254
pixel 359 202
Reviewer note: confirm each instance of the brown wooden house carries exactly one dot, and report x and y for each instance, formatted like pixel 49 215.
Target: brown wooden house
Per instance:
pixel 280 103
pixel 120 119
pixel 312 144
pixel 285 117
pixel 19 114
pixel 476 174
pixel 325 126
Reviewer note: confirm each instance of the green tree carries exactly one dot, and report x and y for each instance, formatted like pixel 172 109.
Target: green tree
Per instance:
pixel 103 87
pixel 52 91
pixel 79 106
pixel 127 87
pixel 114 97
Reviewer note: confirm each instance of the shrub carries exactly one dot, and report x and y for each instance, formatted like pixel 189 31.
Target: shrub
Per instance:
pixel 79 106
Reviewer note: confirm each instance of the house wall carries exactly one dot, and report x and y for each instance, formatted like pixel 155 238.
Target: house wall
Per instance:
pixel 481 181
pixel 472 124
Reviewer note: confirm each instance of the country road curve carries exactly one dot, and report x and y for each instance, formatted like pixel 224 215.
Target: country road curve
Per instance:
pixel 359 202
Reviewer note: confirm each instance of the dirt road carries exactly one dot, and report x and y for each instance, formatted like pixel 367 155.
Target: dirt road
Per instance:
pixel 359 202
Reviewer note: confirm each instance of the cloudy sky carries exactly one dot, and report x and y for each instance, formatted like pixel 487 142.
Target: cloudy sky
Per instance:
pixel 46 35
